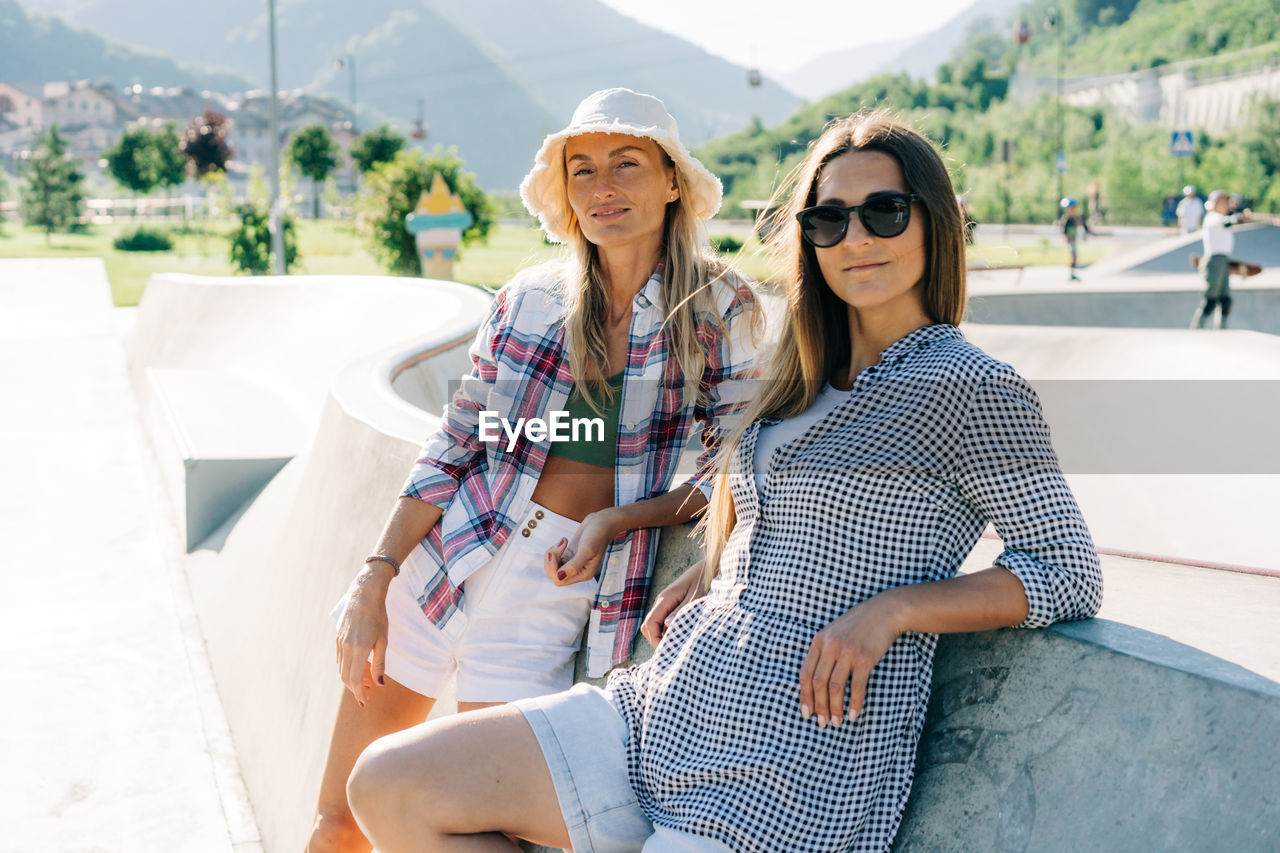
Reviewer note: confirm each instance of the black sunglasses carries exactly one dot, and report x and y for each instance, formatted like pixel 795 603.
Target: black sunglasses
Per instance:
pixel 883 216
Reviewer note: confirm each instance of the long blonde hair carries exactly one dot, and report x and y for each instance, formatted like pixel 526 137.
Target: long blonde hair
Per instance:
pixel 814 339
pixel 688 270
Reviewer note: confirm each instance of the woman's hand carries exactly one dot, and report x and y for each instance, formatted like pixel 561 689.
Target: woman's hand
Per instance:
pixel 362 629
pixel 844 653
pixel 678 593
pixel 578 559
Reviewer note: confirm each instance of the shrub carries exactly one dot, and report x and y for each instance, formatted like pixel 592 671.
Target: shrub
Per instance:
pixel 143 239
pixel 251 241
pixel 391 193
pixel 726 245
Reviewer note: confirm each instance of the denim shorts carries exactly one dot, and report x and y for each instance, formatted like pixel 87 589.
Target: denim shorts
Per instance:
pixel 583 740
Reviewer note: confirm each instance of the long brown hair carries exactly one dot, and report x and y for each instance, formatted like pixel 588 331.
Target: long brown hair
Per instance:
pixel 814 339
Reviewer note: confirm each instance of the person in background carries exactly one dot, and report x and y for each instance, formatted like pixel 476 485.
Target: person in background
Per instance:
pixel 1190 210
pixel 1218 245
pixel 1073 225
pixel 1096 211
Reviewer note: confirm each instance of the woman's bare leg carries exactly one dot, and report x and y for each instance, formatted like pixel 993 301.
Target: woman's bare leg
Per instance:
pixel 461 783
pixel 391 708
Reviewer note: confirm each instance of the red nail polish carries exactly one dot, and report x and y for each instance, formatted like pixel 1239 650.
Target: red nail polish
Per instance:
pixel 382 680
pixel 561 575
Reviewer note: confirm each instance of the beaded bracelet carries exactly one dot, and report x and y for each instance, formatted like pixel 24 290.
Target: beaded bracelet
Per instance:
pixel 388 560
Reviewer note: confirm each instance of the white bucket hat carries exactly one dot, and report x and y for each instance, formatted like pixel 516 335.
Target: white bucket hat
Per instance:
pixel 613 111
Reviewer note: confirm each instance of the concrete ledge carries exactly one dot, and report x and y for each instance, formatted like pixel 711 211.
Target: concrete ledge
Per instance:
pixel 1093 736
pixel 1254 308
pixel 268 576
pixel 231 433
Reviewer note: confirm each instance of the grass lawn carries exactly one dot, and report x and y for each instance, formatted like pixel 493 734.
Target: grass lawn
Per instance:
pixel 332 247
pixel 1030 253
pixel 325 248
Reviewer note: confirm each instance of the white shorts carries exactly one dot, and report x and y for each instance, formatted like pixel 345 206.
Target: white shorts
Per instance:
pixel 520 632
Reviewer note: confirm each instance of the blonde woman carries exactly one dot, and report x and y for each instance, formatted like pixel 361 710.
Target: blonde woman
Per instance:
pixel 508 538
pixel 782 707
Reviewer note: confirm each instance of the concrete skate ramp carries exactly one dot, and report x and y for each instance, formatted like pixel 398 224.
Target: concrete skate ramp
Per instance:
pixel 1153 287
pixel 1168 437
pixel 1138 703
pixel 1255 242
pixel 234 371
pixel 1123 302
pixel 264 582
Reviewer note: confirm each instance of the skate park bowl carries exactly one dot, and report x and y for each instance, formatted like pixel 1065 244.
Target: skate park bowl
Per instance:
pixel 1146 727
pixel 1153 287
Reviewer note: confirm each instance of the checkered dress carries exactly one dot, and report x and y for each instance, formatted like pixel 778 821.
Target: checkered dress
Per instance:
pixel 520 370
pixel 891 487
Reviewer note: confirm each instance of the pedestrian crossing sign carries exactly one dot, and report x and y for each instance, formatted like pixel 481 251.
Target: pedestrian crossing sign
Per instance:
pixel 1182 144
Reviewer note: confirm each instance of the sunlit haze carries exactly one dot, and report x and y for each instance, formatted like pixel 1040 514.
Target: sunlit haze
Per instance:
pixel 779 37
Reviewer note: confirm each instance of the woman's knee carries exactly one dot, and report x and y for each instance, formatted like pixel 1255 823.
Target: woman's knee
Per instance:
pixel 377 782
pixel 401 775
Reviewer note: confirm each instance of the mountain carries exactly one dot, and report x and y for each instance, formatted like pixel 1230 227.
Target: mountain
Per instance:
pixel 493 76
pixel 923 56
pixel 563 50
pixel 39 49
pixel 919 56
pixel 840 69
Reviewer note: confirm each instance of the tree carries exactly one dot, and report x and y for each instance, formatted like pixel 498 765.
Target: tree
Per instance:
pixel 314 152
pixel 392 191
pixel 375 147
pixel 251 241
pixel 204 143
pixel 53 195
pixel 142 159
pixel 171 166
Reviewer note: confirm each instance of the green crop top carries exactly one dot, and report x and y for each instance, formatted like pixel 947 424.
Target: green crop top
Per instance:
pixel 590 448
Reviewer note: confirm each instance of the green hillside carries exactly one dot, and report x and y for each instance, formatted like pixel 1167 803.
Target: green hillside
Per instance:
pixel 968 115
pixel 1114 36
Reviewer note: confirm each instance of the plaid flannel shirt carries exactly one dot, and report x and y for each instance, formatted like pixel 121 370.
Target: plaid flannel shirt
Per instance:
pixel 520 370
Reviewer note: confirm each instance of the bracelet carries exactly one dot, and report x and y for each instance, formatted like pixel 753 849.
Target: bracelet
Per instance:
pixel 385 559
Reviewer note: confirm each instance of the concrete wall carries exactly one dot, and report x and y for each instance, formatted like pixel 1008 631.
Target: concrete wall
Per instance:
pixel 302 330
pixel 264 600
pixel 264 583
pixel 1254 309
pixel 1093 736
pixel 1085 736
pixel 1171 96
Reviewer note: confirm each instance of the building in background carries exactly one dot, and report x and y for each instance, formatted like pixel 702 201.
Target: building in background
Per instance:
pixel 93 116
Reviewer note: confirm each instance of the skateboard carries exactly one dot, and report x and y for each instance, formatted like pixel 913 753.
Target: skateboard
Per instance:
pixel 1234 267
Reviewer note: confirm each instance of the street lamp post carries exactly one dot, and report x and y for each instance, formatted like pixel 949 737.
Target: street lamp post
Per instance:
pixel 349 62
pixel 276 225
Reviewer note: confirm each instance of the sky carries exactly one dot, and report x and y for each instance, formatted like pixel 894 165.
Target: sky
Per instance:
pixel 765 34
